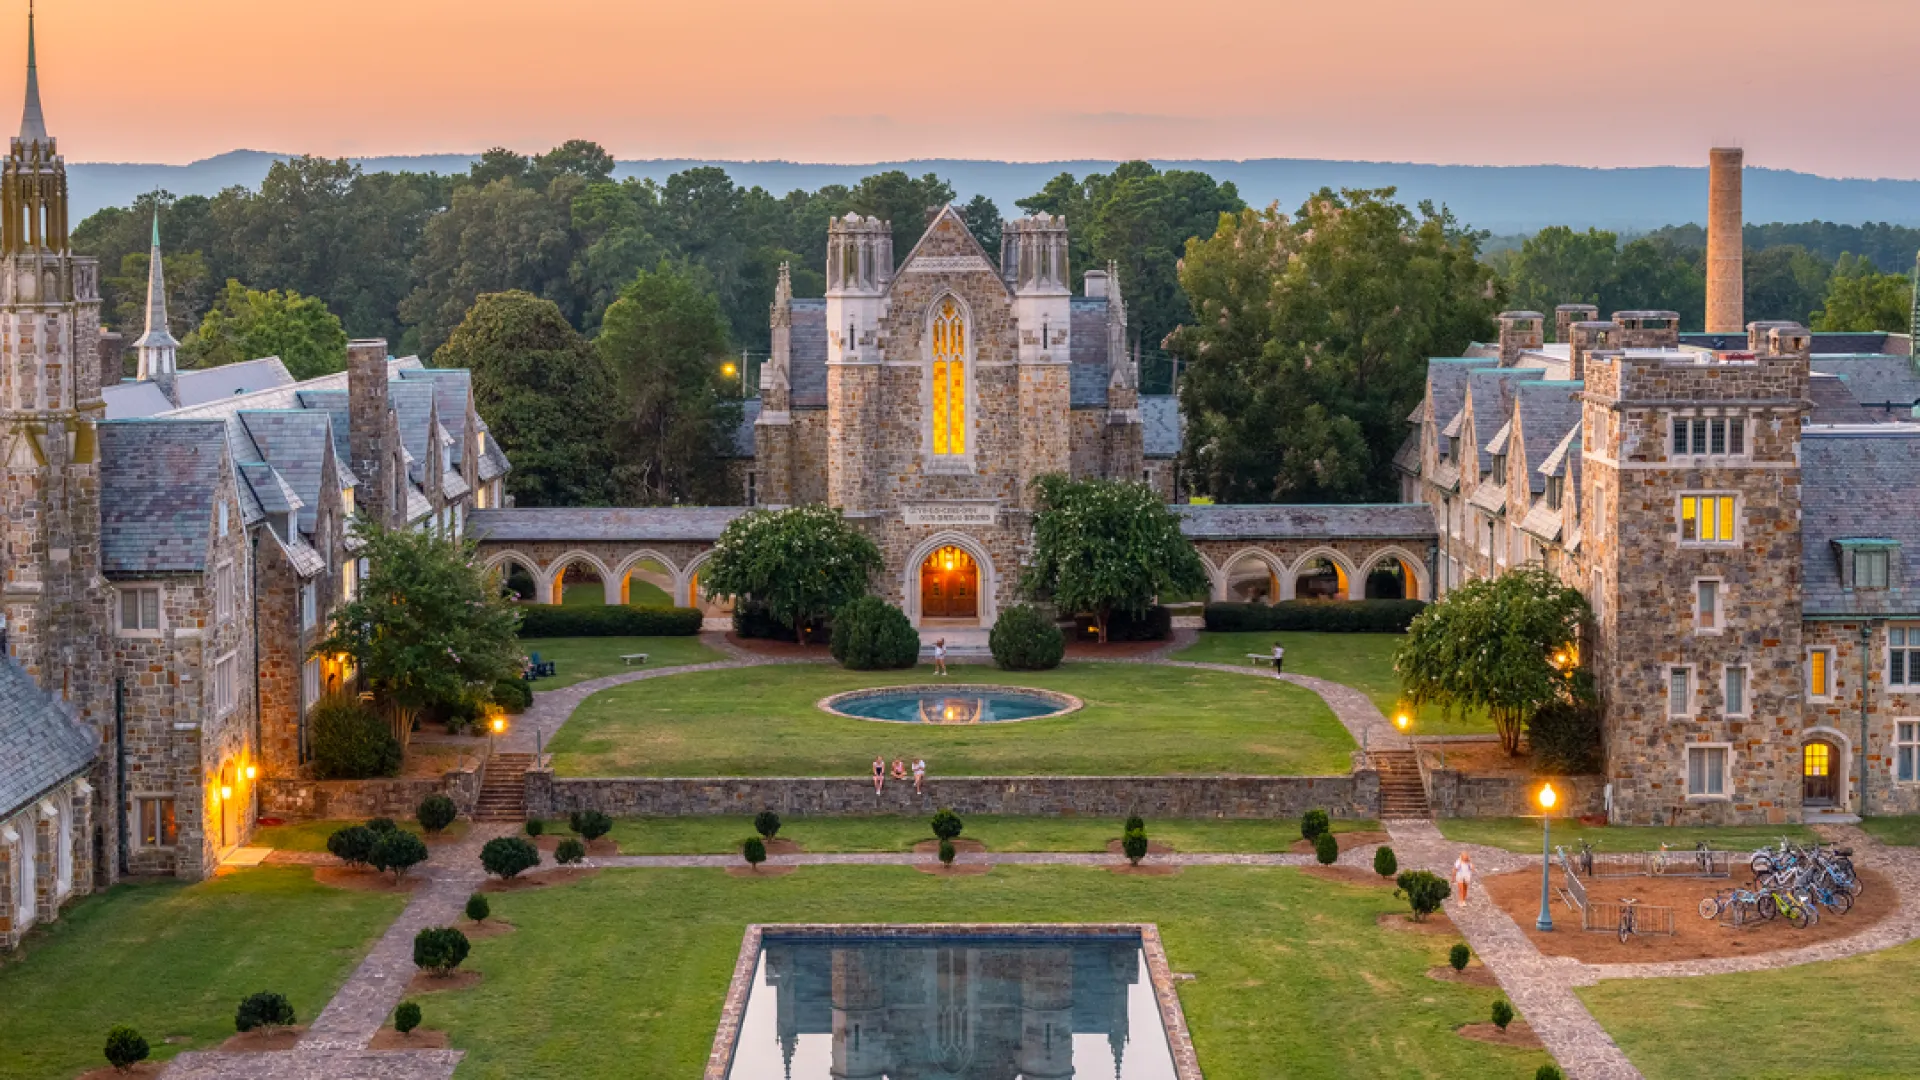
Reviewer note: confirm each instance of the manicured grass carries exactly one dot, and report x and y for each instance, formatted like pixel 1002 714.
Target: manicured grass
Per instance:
pixel 174 961
pixel 1139 719
pixel 1523 834
pixel 1291 975
pixel 312 835
pixel 722 835
pixel 1844 1018
pixel 1362 661
pixel 583 658
pixel 1903 831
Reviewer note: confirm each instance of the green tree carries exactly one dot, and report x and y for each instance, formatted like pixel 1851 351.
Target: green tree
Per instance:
pixel 1559 266
pixel 802 562
pixel 665 340
pixel 247 324
pixel 1861 299
pixel 905 201
pixel 1101 546
pixel 1310 340
pixel 983 221
pixel 493 238
pixel 547 394
pixel 429 626
pixel 188 284
pixel 1503 644
pixel 1786 282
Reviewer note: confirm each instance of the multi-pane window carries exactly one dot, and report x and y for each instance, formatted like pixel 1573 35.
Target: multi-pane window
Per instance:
pixel 158 827
pixel 1906 751
pixel 1706 770
pixel 1903 655
pixel 226 685
pixel 1736 691
pixel 1707 519
pixel 1554 486
pixel 310 682
pixel 949 379
pixel 1870 568
pixel 1679 691
pixel 140 609
pixel 1706 604
pixel 1717 436
pixel 1819 673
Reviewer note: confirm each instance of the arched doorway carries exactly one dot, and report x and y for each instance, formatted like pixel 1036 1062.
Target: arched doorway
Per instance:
pixel 1251 580
pixel 1320 578
pixel 579 584
pixel 647 583
pixel 949 585
pixel 1819 774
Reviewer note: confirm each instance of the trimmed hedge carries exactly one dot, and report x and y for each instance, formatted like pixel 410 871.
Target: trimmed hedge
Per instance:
pixel 873 635
pixel 351 741
pixel 1336 616
pixel 1153 624
pixel 620 620
pixel 1022 639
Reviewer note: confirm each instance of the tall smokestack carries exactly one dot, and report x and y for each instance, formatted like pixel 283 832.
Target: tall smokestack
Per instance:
pixel 1726 284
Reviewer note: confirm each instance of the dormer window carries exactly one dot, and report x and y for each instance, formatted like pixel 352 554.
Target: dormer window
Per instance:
pixel 1453 449
pixel 346 501
pixel 1554 488
pixel 1500 468
pixel 1870 566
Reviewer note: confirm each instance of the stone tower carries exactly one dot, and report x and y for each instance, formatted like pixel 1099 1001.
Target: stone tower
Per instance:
pixel 157 348
pixel 773 429
pixel 1726 283
pixel 1033 259
pixel 54 595
pixel 1691 511
pixel 859 268
pixel 1124 449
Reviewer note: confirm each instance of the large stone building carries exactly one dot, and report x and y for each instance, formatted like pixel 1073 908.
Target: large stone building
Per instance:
pixel 173 547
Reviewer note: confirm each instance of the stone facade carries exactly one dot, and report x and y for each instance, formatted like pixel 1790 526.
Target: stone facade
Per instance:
pixel 46 858
pixel 395 797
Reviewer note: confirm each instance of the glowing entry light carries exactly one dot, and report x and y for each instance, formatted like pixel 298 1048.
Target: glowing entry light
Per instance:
pixel 1547 797
pixel 252 772
pixel 225 793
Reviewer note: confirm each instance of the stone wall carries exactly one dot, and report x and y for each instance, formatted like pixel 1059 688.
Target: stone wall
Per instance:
pixel 65 811
pixel 1253 797
pixel 1453 794
pixel 395 797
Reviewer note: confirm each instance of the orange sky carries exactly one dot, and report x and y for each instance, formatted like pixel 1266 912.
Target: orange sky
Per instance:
pixel 1476 81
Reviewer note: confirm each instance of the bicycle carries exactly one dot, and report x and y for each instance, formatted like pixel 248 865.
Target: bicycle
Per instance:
pixel 1742 902
pixel 1658 863
pixel 1627 927
pixel 1799 912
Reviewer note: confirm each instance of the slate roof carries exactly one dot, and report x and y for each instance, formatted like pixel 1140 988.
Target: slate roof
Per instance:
pixel 1833 403
pixel 1090 371
pixel 1875 380
pixel 1407 458
pixel 275 494
pixel 1447 385
pixel 1548 410
pixel 127 400
pixel 413 404
pixel 1164 429
pixel 1280 521
pixel 157 484
pixel 1857 483
pixel 295 443
pixel 451 390
pixel 202 385
pixel 334 402
pixel 1823 342
pixel 656 523
pixel 743 434
pixel 40 748
pixel 807 355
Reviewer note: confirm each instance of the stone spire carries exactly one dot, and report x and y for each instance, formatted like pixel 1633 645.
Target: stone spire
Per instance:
pixel 774 376
pixel 157 347
pixel 33 123
pixel 1125 375
pixel 1913 316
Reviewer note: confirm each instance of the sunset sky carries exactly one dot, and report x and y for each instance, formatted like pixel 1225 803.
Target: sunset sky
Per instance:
pixel 1816 85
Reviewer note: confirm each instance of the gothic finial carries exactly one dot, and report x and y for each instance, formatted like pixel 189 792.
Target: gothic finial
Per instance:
pixel 33 124
pixel 782 290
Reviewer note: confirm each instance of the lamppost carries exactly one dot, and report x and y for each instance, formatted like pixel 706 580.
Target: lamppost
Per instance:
pixel 495 727
pixel 1547 799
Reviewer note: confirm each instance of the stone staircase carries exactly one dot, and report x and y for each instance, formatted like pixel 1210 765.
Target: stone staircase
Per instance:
pixel 1402 795
pixel 503 788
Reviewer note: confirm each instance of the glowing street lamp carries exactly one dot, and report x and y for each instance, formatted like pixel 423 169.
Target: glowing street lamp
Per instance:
pixel 1547 798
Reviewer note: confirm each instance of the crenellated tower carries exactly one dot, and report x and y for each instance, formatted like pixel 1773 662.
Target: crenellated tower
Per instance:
pixel 1033 259
pixel 859 269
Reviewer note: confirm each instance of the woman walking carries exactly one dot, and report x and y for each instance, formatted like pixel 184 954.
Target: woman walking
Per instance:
pixel 939 656
pixel 879 773
pixel 1462 874
pixel 1279 657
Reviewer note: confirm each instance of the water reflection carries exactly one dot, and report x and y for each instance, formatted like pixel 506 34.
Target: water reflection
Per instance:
pixel 959 1007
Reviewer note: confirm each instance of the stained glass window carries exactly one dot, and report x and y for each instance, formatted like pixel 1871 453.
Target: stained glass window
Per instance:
pixel 949 380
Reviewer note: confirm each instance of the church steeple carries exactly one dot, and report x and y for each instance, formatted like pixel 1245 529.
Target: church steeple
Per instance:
pixel 33 204
pixel 33 123
pixel 157 347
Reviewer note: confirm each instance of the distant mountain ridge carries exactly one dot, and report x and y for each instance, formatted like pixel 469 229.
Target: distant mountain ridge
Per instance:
pixel 1501 199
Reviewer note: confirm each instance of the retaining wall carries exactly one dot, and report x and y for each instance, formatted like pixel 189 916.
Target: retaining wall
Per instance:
pixel 1456 794
pixel 394 797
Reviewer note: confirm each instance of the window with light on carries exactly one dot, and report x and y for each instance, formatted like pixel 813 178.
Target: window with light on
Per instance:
pixel 949 380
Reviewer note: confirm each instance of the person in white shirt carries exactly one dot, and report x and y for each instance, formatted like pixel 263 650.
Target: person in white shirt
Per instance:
pixel 1279 657
pixel 940 656
pixel 1463 874
pixel 919 774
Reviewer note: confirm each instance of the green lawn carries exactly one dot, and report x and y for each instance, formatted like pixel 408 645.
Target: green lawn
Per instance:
pixel 583 658
pixel 721 835
pixel 1849 1018
pixel 1901 831
pixel 1362 661
pixel 1291 975
pixel 1523 834
pixel 312 835
pixel 1139 719
pixel 174 960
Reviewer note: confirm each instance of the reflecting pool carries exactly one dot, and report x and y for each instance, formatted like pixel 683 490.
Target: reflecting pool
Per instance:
pixel 950 704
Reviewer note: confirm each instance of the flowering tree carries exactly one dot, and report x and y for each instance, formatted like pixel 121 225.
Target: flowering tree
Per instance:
pixel 1102 546
pixel 801 562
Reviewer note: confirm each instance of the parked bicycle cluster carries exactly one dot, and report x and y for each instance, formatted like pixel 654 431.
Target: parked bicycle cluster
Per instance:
pixel 1791 882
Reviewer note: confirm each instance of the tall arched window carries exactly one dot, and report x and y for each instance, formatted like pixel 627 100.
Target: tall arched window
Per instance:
pixel 949 379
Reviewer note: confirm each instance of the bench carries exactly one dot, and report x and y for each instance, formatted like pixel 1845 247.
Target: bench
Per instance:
pixel 630 659
pixel 1259 659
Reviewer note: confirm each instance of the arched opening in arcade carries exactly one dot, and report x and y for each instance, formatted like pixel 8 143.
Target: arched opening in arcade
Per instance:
pixel 950 586
pixel 578 584
pixel 1392 579
pixel 648 584
pixel 518 582
pixel 1251 580
pixel 711 607
pixel 1320 578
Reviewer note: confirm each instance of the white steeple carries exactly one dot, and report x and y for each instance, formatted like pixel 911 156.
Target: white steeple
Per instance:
pixel 157 347
pixel 33 124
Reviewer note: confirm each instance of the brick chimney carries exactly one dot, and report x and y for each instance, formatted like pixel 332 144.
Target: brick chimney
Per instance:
pixel 1584 338
pixel 370 430
pixel 1519 331
pixel 1566 315
pixel 1726 280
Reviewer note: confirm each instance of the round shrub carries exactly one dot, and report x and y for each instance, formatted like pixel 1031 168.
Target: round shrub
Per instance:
pixel 754 851
pixel 477 907
pixel 406 1017
pixel 767 824
pixel 350 741
pixel 398 851
pixel 1502 1014
pixel 353 844
pixel 1549 1072
pixel 1384 862
pixel 440 949
pixel 1135 822
pixel 125 1048
pixel 569 851
pixel 1459 955
pixel 508 856
pixel 946 824
pixel 1313 823
pixel 1423 890
pixel 382 825
pixel 1023 639
pixel 436 812
pixel 1565 737
pixel 535 826
pixel 513 695
pixel 947 852
pixel 1134 845
pixel 591 824
pixel 1326 849
pixel 870 634
pixel 266 1010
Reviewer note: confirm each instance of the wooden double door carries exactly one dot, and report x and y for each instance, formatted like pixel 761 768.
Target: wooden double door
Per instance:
pixel 949 585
